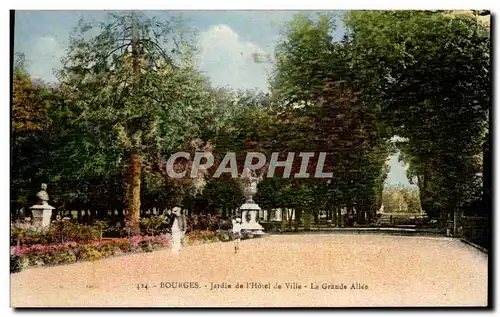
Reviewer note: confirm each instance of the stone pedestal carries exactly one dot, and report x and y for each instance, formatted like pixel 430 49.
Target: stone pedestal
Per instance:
pixel 42 214
pixel 249 213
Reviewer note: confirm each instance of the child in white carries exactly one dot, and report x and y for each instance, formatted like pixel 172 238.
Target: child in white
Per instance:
pixel 236 234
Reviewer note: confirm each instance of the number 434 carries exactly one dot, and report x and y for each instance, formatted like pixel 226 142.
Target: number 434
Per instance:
pixel 142 286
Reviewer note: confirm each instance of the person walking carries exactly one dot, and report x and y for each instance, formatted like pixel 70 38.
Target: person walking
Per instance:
pixel 236 233
pixel 178 228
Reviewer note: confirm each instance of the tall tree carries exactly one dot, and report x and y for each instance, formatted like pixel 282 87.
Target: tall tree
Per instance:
pixel 29 124
pixel 135 81
pixel 321 106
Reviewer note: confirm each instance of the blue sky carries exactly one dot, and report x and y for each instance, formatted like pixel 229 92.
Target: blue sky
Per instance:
pixel 226 40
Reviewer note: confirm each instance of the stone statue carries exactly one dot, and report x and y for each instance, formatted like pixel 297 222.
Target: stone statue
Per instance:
pixel 42 195
pixel 42 211
pixel 249 175
pixel 253 186
pixel 250 181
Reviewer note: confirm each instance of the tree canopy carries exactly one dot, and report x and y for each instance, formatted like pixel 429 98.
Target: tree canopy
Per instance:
pixel 129 95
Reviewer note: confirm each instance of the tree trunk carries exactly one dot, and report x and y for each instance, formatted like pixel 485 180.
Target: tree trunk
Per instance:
pixel 283 214
pixel 341 218
pixel 132 173
pixel 307 220
pixel 350 212
pixel 289 217
pixel 132 186
pixel 298 217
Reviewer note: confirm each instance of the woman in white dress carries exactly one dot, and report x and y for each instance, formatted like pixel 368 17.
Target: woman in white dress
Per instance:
pixel 178 227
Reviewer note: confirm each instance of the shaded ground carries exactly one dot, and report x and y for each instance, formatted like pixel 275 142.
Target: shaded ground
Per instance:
pixel 397 271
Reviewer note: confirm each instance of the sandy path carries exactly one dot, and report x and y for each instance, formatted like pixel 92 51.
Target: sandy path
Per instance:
pixel 398 271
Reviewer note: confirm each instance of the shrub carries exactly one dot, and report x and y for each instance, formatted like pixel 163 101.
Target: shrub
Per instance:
pixel 225 224
pixel 202 236
pixel 16 234
pixel 146 246
pixel 102 227
pixel 115 229
pixel 124 246
pixel 154 225
pixel 16 263
pixel 223 236
pixel 39 259
pixel 89 253
pixel 62 231
pixel 59 232
pixel 107 249
pixel 64 257
pixel 28 235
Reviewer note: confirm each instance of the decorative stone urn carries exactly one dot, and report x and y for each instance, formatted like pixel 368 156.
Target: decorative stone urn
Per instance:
pixel 250 210
pixel 42 211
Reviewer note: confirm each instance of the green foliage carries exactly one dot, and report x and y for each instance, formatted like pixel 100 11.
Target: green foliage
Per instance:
pixel 433 72
pixel 58 232
pixel 223 236
pixel 401 200
pixel 29 124
pixel 269 193
pixel 62 231
pixel 223 193
pixel 201 237
pixel 89 254
pixel 146 246
pixel 29 104
pixel 320 106
pixel 303 58
pixel 16 263
pixel 154 225
pixel 130 95
pixel 145 100
pixel 64 258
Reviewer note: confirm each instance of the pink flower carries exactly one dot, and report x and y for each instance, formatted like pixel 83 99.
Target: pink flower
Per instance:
pixel 94 243
pixel 70 244
pixel 19 250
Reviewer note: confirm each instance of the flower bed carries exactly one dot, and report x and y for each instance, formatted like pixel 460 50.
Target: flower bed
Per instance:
pixel 70 252
pixel 206 236
pixel 32 255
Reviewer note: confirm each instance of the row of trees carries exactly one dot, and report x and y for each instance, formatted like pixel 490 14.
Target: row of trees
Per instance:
pixel 421 75
pixel 433 70
pixel 130 96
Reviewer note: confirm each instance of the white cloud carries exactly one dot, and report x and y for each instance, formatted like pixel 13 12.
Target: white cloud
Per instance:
pixel 43 57
pixel 228 59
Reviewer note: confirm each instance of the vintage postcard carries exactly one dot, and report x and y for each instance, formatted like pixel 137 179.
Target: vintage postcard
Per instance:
pixel 250 158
